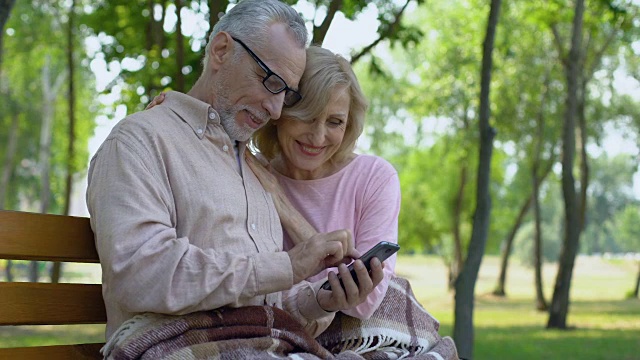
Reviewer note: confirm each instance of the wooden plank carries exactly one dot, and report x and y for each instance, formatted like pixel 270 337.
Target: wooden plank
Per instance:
pixel 31 236
pixel 56 352
pixel 51 304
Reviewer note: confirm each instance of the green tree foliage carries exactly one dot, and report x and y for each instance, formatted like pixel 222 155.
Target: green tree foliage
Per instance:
pixel 142 44
pixel 625 227
pixel 139 45
pixel 37 32
pixel 611 191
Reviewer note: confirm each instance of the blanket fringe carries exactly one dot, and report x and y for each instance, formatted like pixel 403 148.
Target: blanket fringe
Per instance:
pixel 386 343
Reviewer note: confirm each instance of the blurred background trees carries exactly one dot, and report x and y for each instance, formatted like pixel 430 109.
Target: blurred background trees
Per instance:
pixel 69 67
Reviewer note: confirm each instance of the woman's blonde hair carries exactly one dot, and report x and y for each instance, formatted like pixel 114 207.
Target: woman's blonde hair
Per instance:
pixel 324 73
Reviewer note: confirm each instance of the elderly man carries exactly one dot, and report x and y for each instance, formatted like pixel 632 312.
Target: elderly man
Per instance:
pixel 181 223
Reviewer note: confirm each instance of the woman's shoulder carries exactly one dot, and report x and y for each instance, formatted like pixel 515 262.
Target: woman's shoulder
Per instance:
pixel 373 164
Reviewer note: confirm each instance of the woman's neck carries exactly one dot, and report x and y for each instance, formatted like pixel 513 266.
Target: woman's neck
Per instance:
pixel 327 169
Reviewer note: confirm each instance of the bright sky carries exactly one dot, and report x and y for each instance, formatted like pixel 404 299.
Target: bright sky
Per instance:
pixel 342 36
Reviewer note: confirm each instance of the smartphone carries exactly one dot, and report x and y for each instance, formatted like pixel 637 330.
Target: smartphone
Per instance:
pixel 381 250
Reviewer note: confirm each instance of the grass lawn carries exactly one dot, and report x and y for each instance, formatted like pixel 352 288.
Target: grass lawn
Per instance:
pixel 604 324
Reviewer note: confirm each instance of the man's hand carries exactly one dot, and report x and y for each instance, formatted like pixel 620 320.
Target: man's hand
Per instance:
pixel 349 294
pixel 318 253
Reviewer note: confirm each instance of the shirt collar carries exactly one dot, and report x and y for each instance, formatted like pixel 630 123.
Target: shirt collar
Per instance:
pixel 194 112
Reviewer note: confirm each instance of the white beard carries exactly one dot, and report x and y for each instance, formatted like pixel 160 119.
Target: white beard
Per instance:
pixel 229 124
pixel 228 113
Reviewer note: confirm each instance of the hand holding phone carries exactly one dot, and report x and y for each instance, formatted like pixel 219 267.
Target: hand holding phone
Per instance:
pixel 381 250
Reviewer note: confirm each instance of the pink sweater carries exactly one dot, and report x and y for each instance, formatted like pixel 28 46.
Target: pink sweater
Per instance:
pixel 364 197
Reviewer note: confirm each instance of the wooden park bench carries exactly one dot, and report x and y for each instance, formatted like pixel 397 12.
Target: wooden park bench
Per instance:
pixel 30 236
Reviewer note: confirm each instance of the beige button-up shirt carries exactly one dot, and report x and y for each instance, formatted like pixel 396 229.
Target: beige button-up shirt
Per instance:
pixel 182 225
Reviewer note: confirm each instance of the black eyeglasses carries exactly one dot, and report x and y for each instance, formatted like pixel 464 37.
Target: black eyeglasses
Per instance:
pixel 272 81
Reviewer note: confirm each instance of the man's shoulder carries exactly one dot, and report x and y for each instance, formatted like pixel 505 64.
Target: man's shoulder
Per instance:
pixel 143 124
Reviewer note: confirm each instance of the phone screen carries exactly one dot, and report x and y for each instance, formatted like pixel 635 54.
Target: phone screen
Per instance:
pixel 381 250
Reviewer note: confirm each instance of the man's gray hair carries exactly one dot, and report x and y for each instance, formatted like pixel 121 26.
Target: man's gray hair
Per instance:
pixel 249 20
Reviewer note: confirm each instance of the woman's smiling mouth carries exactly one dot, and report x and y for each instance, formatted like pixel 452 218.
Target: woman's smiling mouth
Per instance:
pixel 310 150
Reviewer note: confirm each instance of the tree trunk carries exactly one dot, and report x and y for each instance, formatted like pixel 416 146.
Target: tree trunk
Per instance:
pixel 584 158
pixel 179 50
pixel 155 39
pixel 466 282
pixel 56 267
pixel 456 262
pixel 216 9
pixel 5 11
pixel 383 35
pixel 635 292
pixel 541 303
pixel 155 32
pixel 320 32
pixel 536 197
pixel 7 166
pixel 150 28
pixel 560 300
pixel 538 179
pixel 7 271
pixel 506 251
pixel 49 95
pixel 10 155
pixel 9 158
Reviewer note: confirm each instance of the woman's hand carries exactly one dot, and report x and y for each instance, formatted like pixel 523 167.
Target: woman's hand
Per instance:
pixel 346 293
pixel 156 101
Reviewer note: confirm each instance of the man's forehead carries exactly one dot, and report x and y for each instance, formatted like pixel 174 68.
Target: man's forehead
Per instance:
pixel 283 55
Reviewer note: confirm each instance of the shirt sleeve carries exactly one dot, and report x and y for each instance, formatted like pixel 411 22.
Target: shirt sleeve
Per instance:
pixel 301 302
pixel 378 222
pixel 146 266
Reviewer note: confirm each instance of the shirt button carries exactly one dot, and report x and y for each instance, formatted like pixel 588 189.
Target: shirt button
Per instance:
pixel 225 148
pixel 253 226
pixel 212 116
pixel 199 131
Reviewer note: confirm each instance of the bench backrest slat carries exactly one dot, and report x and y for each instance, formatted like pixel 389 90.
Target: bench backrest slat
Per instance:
pixel 58 352
pixel 51 304
pixel 30 236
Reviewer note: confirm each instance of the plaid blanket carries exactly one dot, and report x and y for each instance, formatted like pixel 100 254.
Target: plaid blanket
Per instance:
pixel 400 328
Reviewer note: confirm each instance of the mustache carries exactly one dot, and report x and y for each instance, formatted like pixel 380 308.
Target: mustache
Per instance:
pixel 260 115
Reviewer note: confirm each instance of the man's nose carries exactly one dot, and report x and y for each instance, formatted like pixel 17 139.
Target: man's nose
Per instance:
pixel 273 104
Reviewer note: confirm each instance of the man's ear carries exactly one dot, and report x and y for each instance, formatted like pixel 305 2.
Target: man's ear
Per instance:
pixel 220 50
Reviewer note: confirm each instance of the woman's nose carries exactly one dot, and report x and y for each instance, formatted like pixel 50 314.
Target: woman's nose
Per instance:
pixel 318 132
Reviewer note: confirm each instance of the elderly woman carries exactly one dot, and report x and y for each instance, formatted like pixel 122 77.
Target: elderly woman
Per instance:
pixel 314 174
